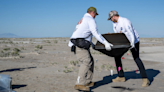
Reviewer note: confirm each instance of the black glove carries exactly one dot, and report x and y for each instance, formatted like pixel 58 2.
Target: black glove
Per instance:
pixel 73 49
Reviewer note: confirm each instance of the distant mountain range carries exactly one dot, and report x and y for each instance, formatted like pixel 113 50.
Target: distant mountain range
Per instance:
pixel 8 35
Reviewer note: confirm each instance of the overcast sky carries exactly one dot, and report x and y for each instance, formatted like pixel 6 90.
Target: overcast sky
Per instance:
pixel 58 18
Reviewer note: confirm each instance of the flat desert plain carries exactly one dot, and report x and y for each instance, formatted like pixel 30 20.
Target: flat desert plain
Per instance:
pixel 48 65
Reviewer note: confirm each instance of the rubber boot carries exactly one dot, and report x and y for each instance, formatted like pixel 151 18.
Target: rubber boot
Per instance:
pixel 145 82
pixel 82 88
pixel 119 79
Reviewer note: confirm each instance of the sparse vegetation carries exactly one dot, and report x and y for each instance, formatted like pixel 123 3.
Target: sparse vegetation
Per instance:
pixel 2 51
pixel 48 41
pixel 21 56
pixel 108 67
pixel 6 49
pixel 4 54
pixel 54 63
pixel 14 53
pixel 65 67
pixel 39 46
pixel 103 66
pixel 67 70
pixel 96 68
pixel 74 63
pixel 55 41
pixel 55 60
pixel 7 42
pixel 22 48
pixel 125 69
pixel 36 49
pixel 16 50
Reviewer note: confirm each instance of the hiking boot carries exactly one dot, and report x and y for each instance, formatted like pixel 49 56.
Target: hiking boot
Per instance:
pixel 82 88
pixel 119 79
pixel 90 84
pixel 145 82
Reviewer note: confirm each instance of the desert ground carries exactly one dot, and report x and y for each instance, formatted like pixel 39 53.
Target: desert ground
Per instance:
pixel 48 65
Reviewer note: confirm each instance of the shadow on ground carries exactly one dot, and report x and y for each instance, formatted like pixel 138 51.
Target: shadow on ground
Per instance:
pixel 151 73
pixel 18 86
pixel 15 69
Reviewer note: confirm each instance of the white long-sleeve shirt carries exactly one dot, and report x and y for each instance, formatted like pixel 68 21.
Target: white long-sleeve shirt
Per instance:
pixel 123 25
pixel 86 28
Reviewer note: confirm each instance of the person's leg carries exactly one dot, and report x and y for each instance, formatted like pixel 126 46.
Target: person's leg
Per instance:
pixel 86 63
pixel 135 53
pixel 120 77
pixel 84 58
pixel 119 64
pixel 89 76
pixel 137 45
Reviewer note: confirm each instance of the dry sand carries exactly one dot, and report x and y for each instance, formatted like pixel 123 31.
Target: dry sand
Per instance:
pixel 54 68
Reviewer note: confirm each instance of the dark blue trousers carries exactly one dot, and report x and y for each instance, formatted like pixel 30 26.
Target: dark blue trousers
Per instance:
pixel 135 53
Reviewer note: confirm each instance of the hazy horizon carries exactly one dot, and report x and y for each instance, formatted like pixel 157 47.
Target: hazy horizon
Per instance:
pixel 10 35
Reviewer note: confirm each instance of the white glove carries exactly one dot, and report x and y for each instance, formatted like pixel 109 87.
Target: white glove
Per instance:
pixel 132 45
pixel 108 45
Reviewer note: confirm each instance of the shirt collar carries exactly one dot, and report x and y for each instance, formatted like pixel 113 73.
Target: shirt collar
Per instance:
pixel 119 19
pixel 87 14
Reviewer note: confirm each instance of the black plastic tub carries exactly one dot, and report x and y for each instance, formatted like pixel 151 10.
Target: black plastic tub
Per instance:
pixel 120 44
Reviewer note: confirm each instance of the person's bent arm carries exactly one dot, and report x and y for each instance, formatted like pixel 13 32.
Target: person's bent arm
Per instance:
pixel 93 28
pixel 98 36
pixel 129 29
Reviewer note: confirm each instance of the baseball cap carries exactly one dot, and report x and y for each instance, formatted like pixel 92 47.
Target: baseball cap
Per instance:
pixel 93 9
pixel 111 13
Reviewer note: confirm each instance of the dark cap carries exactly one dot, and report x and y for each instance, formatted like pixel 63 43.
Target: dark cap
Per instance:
pixel 92 9
pixel 111 14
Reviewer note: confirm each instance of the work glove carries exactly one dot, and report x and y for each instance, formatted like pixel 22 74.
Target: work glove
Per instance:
pixel 132 45
pixel 108 45
pixel 73 49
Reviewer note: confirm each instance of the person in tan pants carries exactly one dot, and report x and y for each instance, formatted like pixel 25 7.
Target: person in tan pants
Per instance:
pixel 80 42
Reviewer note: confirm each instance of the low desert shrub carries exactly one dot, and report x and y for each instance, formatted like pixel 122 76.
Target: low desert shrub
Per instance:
pixel 15 53
pixel 6 49
pixel 74 63
pixel 55 41
pixel 39 46
pixel 4 54
pixel 16 50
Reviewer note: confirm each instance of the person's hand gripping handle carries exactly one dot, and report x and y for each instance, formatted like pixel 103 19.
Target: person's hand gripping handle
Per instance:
pixel 108 45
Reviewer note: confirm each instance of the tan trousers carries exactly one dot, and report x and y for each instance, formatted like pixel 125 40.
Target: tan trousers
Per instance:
pixel 86 61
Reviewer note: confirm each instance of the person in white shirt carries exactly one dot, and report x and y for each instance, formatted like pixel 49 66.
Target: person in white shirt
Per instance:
pixel 80 42
pixel 123 25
